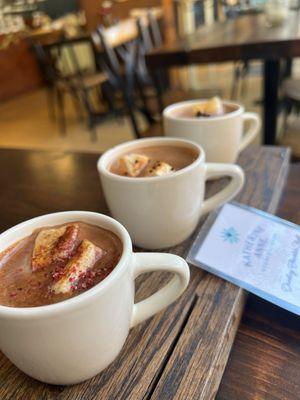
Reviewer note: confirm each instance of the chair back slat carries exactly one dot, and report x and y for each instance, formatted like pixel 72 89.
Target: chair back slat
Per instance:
pixel 117 62
pixel 145 35
pixel 155 30
pixel 118 35
pixel 108 58
pixel 148 26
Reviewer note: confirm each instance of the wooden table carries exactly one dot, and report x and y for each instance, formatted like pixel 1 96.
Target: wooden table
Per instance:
pixel 180 353
pixel 243 38
pixel 265 360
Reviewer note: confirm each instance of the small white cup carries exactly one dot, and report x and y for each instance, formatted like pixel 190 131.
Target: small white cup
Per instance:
pixel 161 212
pixel 222 137
pixel 71 341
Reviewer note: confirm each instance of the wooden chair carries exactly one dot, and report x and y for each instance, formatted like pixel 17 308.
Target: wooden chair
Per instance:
pixel 118 49
pixel 56 84
pixel 155 81
pixel 83 82
pixel 151 37
pixel 77 84
pixel 150 16
pixel 151 81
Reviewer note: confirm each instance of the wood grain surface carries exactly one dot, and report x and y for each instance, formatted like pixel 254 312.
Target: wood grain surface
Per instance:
pixel 213 331
pixel 265 359
pixel 246 37
pixel 180 353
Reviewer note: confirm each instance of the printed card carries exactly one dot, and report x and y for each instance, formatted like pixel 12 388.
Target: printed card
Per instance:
pixel 254 250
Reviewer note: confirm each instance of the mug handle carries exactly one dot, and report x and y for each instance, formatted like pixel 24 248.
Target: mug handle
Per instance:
pixel 252 131
pixel 153 262
pixel 237 176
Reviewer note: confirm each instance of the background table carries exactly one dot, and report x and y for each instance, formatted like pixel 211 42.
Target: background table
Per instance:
pixel 243 38
pixel 181 352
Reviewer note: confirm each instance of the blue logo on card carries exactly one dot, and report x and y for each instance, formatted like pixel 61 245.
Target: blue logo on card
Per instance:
pixel 230 235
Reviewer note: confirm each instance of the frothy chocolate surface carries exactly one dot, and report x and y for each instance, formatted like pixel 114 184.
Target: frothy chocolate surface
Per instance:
pixel 177 157
pixel 21 286
pixel 189 111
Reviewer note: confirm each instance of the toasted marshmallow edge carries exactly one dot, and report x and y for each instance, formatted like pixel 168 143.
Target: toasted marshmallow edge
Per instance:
pixel 159 169
pixel 65 245
pixel 45 251
pixel 87 254
pixel 133 164
pixel 212 106
pixel 44 243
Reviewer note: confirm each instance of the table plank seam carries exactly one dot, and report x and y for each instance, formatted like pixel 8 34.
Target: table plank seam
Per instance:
pixel 210 388
pixel 172 347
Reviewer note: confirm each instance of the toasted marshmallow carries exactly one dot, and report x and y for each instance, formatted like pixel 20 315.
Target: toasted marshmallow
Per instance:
pixel 133 164
pixel 87 254
pixel 53 246
pixel 211 107
pixel 65 245
pixel 160 168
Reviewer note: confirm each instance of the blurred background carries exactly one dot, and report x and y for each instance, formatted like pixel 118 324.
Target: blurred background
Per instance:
pixel 74 73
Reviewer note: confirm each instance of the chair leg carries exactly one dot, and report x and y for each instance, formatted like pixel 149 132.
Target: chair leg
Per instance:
pixel 287 110
pixel 233 85
pixel 61 104
pixel 93 134
pixel 84 97
pixel 235 82
pixel 159 90
pixel 92 129
pixel 77 105
pixel 144 108
pixel 51 103
pixel 109 98
pixel 129 105
pixel 244 86
pixel 244 76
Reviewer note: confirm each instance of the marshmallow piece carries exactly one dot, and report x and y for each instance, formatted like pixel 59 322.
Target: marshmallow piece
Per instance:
pixel 133 164
pixel 54 246
pixel 65 245
pixel 213 106
pixel 160 168
pixel 87 254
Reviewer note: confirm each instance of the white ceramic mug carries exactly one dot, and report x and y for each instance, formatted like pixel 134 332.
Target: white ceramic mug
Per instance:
pixel 222 137
pixel 162 211
pixel 71 341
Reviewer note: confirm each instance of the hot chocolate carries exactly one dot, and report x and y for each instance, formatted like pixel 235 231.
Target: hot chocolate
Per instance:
pixel 56 263
pixel 153 161
pixel 211 108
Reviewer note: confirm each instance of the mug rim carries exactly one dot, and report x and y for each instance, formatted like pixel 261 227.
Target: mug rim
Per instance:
pixel 168 110
pixel 82 298
pixel 102 164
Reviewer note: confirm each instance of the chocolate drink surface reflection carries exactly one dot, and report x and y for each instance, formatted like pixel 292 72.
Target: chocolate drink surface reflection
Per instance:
pixel 54 264
pixel 152 161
